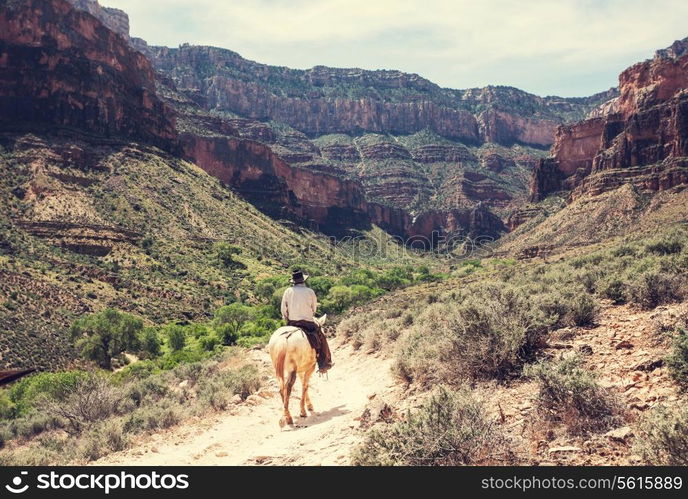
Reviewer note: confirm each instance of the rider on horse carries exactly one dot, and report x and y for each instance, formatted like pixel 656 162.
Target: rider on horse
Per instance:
pixel 298 309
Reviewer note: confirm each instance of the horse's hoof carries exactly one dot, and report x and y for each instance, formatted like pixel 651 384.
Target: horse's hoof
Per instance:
pixel 303 415
pixel 282 422
pixel 310 408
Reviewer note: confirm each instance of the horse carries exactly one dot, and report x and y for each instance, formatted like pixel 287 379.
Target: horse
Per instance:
pixel 292 355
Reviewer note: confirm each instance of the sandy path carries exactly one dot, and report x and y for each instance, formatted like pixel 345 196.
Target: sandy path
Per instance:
pixel 252 435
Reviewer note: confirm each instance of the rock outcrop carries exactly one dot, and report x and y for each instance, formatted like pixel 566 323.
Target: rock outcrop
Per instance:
pixel 115 19
pixel 62 66
pixel 642 139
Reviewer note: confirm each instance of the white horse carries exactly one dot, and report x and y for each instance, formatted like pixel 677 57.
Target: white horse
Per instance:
pixel 292 355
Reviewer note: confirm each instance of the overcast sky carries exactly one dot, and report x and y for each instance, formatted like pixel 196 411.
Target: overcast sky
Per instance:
pixel 562 47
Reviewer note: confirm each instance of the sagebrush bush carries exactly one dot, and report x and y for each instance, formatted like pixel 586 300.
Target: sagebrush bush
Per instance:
pixel 452 428
pixel 615 290
pixel 650 289
pixel 93 399
pixel 569 394
pixel 583 310
pixel 491 331
pixel 663 437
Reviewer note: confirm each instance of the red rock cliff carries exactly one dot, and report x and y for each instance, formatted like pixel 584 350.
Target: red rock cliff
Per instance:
pixel 324 100
pixel 642 140
pixel 62 66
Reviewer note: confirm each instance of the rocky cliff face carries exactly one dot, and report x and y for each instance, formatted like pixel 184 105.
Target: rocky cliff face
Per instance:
pixel 325 100
pixel 641 139
pixel 115 19
pixel 320 200
pixel 63 67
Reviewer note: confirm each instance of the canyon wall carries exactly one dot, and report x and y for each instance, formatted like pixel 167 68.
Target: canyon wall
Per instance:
pixel 324 100
pixel 62 66
pixel 642 138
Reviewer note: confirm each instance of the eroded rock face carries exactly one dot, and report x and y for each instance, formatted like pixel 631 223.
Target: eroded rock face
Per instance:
pixel 115 19
pixel 62 66
pixel 313 102
pixel 642 139
pixel 326 201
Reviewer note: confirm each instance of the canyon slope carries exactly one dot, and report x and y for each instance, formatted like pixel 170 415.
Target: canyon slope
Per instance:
pixel 98 209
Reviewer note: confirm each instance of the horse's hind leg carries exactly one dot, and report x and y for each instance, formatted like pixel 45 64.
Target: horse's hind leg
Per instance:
pixel 288 385
pixel 306 398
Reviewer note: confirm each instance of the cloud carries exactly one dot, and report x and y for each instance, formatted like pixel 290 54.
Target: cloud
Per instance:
pixel 572 47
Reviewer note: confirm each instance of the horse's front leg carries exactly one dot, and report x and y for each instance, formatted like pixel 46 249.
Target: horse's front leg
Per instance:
pixel 304 393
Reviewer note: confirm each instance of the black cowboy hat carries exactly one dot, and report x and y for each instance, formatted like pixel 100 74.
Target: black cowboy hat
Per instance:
pixel 298 277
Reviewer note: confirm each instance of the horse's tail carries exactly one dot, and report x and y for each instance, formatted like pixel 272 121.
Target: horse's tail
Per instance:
pixel 279 363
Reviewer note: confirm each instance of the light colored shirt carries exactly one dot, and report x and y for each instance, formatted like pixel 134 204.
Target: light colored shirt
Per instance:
pixel 299 303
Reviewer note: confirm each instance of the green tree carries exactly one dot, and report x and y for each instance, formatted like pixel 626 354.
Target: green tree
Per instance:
pixel 176 337
pixel 150 343
pixel 107 334
pixel 228 320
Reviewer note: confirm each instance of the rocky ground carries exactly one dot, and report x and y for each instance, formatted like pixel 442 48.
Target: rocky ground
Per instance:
pixel 625 349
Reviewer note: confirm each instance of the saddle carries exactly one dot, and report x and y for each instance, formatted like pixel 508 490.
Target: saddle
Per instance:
pixel 311 330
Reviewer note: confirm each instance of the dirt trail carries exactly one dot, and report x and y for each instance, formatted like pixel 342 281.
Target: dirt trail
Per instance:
pixel 250 434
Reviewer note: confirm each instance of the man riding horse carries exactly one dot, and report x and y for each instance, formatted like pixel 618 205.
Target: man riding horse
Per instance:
pixel 298 309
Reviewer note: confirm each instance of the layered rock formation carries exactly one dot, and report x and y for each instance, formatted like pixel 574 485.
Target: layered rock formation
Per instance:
pixel 641 138
pixel 324 201
pixel 326 100
pixel 115 19
pixel 62 66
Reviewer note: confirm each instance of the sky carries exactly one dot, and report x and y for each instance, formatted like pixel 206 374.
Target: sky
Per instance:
pixel 564 47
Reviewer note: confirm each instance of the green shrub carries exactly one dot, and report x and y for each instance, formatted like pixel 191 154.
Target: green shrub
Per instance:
pixel 107 334
pixel 615 290
pixel 176 337
pixel 57 386
pixel 491 332
pixel 678 360
pixel 583 310
pixel 138 370
pixel 260 327
pixel 321 284
pixel 8 409
pixel 650 289
pixel 228 320
pixel 662 439
pixel 265 288
pixel 150 343
pixel 668 245
pixel 570 394
pixel 225 255
pixel 173 359
pixel 450 429
pixel 342 297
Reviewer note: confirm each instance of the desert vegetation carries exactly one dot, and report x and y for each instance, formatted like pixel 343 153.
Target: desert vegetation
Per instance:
pixel 450 429
pixel 80 416
pixel 494 321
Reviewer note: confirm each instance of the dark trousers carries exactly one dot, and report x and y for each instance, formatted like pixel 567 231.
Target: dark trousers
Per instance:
pixel 317 340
